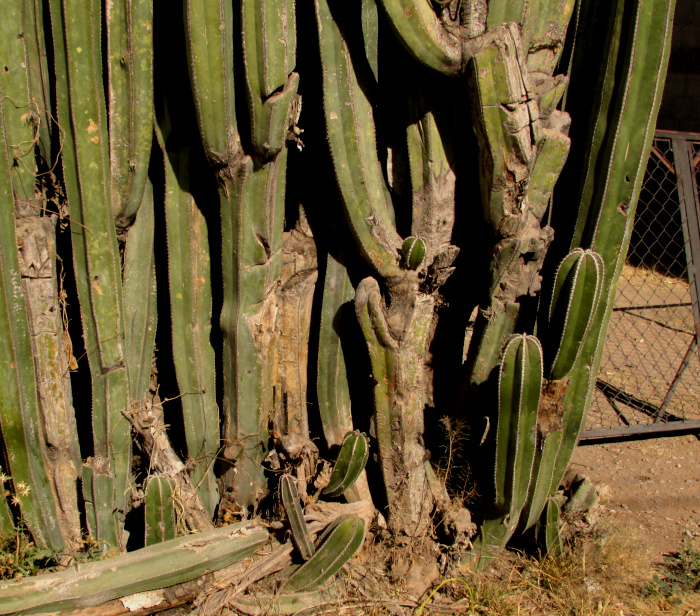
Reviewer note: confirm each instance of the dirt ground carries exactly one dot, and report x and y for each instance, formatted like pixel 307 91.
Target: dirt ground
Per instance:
pixel 652 486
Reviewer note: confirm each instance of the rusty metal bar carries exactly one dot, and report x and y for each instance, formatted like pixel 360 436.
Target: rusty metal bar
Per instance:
pixel 671 428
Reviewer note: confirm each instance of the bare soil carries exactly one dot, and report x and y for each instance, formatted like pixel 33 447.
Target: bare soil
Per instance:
pixel 652 486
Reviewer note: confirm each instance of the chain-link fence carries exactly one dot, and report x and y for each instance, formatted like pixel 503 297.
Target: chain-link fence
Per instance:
pixel 649 380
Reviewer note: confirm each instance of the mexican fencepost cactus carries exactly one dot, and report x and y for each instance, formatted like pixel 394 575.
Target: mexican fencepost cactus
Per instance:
pixel 519 390
pixel 86 161
pixel 332 387
pixel 21 424
pixel 639 44
pixel 336 546
pixel 160 514
pixel 129 30
pixel 349 464
pixel 397 328
pixel 189 276
pixel 403 190
pixel 297 525
pixel 37 416
pixel 251 192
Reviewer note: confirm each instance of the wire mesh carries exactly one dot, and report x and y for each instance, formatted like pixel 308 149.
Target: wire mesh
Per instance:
pixel 650 370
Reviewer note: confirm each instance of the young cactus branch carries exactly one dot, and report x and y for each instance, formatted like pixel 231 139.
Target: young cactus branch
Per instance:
pixel 351 461
pixel 336 546
pixel 295 515
pixel 519 386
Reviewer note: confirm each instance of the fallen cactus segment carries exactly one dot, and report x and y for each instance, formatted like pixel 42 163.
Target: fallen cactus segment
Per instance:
pixel 164 564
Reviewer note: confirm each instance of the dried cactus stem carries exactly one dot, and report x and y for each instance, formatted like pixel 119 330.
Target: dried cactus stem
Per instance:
pixel 37 266
pixel 19 413
pixel 397 368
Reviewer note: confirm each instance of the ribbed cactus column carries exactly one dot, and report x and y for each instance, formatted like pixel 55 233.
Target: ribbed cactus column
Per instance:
pixel 251 191
pixel 189 275
pixel 19 413
pixel 332 385
pixel 45 410
pixel 618 118
pixel 519 386
pixel 76 27
pixel 396 329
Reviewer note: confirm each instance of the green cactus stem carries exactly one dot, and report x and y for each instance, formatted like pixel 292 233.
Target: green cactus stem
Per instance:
pixel 19 411
pixel 129 29
pixel 140 307
pixel 617 118
pixel 164 564
pixel 24 112
pixel 351 461
pixel 332 386
pixel 520 382
pixel 160 514
pixel 38 75
pixel 549 527
pixel 413 252
pixel 252 213
pixel 189 276
pixel 295 515
pixel 574 303
pixel 352 140
pixel 337 545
